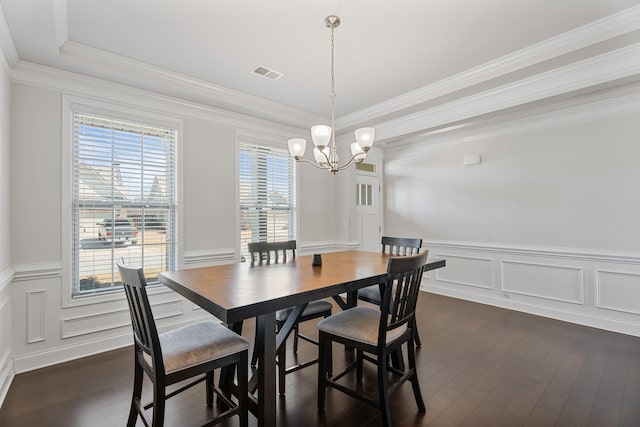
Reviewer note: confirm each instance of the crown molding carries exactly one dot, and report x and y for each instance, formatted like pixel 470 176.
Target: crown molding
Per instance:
pixel 10 57
pixel 603 29
pixel 60 22
pixel 564 117
pixel 89 87
pixel 590 72
pixel 217 96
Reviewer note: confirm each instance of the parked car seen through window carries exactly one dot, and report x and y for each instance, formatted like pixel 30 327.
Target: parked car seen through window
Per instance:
pixel 118 230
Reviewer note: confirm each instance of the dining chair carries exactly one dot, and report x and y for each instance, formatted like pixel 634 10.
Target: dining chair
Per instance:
pixel 376 335
pixel 268 252
pixel 180 354
pixel 392 246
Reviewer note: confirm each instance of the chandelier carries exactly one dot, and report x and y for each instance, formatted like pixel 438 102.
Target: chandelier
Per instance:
pixel 325 152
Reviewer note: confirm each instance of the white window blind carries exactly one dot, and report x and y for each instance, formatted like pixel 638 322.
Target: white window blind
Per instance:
pixel 267 195
pixel 124 201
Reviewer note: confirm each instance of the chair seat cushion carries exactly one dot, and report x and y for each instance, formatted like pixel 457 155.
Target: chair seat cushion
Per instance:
pixel 358 324
pixel 314 307
pixel 371 293
pixel 194 344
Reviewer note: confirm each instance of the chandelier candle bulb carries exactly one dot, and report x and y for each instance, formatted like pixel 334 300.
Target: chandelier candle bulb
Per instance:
pixel 325 152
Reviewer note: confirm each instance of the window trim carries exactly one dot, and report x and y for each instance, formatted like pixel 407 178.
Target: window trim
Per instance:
pixel 71 105
pixel 276 141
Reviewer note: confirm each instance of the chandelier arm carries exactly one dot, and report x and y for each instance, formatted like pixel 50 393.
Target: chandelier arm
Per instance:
pixel 303 160
pixel 350 162
pixel 332 164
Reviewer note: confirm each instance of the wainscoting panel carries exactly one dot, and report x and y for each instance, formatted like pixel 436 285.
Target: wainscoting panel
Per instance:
pixel 35 316
pixel 466 270
pixel 554 282
pixel 593 288
pixel 617 290
pixel 114 320
pixel 6 336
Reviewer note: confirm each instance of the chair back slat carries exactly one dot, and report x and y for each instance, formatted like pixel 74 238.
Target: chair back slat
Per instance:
pixel 145 333
pixel 271 251
pixel 404 275
pixel 400 246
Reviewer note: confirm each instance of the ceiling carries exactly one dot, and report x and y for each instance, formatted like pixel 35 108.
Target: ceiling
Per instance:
pixel 389 55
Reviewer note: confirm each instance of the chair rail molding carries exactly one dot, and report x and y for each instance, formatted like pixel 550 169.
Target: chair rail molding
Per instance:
pixel 37 271
pixel 206 257
pixel 309 248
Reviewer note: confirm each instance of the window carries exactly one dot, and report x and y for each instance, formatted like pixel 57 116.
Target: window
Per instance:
pixel 364 195
pixel 124 201
pixel 267 195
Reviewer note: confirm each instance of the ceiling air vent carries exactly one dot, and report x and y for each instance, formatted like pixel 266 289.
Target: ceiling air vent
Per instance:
pixel 267 73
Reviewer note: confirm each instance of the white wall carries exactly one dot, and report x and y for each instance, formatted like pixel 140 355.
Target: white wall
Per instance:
pixel 547 223
pixel 6 271
pixel 46 329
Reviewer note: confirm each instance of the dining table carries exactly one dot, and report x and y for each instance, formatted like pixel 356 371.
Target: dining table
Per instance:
pixel 237 292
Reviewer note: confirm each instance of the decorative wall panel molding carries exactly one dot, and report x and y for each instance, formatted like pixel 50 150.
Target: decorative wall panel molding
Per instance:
pixel 6 374
pixel 466 271
pixel 95 323
pixel 590 288
pixel 554 282
pixel 36 316
pixel 618 290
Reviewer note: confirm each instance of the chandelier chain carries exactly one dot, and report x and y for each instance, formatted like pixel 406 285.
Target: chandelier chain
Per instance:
pixel 333 96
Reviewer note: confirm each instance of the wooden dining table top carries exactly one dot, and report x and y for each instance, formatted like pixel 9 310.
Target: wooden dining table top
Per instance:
pixel 234 292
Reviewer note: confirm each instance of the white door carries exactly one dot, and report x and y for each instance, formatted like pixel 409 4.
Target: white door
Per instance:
pixel 367 199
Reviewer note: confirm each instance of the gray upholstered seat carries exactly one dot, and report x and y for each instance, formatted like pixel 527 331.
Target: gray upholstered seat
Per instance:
pixel 380 333
pixel 358 324
pixel 190 353
pixel 370 294
pixel 314 307
pixel 265 253
pixel 194 344
pixel 394 246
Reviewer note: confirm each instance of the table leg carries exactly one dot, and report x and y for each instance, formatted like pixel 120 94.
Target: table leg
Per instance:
pixel 266 375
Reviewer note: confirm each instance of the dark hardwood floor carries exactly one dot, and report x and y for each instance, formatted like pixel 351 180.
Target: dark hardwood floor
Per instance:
pixel 479 366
